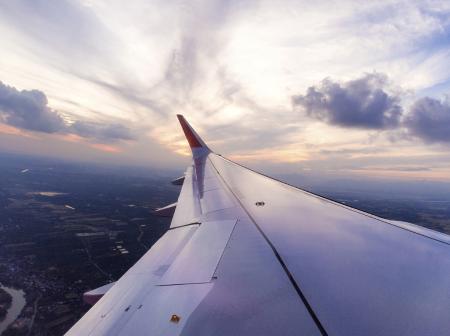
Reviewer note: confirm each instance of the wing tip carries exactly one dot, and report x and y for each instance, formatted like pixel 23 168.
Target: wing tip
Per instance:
pixel 192 137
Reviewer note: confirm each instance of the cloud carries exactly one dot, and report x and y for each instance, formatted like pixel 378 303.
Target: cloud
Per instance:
pixel 429 119
pixel 28 110
pixel 101 131
pixel 231 68
pixel 359 103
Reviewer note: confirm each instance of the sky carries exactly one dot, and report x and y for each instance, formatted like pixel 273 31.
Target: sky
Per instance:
pixel 330 88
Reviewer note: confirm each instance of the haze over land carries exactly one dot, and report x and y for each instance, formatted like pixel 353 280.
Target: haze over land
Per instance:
pixel 342 88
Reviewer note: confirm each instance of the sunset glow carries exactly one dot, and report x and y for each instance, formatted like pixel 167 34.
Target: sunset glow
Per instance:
pixel 352 88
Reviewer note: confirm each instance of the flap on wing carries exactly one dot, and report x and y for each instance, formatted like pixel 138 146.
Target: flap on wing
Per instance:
pixel 166 211
pixel 198 260
pixel 94 295
pixel 178 181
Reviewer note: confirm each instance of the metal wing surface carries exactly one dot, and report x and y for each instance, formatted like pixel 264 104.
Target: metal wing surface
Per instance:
pixel 250 255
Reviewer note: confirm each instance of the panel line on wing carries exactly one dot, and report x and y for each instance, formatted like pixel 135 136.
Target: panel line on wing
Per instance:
pixel 182 226
pixel 280 260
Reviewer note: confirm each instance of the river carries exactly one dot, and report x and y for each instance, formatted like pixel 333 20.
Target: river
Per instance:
pixel 17 304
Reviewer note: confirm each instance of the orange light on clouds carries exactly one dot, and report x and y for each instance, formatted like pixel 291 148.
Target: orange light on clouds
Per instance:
pixel 106 148
pixel 177 144
pixel 275 155
pixel 71 137
pixel 11 130
pixel 436 174
pixel 101 147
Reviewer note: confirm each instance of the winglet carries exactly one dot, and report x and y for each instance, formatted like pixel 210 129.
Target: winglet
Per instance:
pixel 196 143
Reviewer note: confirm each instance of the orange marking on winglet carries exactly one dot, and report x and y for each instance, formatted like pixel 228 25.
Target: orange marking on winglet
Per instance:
pixel 189 133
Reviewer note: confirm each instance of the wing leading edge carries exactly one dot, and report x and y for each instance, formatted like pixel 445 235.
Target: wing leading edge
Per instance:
pixel 248 255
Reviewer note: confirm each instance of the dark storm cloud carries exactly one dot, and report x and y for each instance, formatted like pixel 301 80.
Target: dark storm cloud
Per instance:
pixel 101 131
pixel 28 110
pixel 360 103
pixel 429 119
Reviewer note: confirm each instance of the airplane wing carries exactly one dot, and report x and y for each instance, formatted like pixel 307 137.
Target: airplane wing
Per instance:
pixel 249 255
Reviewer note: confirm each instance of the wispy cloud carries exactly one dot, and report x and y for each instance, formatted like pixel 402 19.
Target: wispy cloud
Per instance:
pixel 107 132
